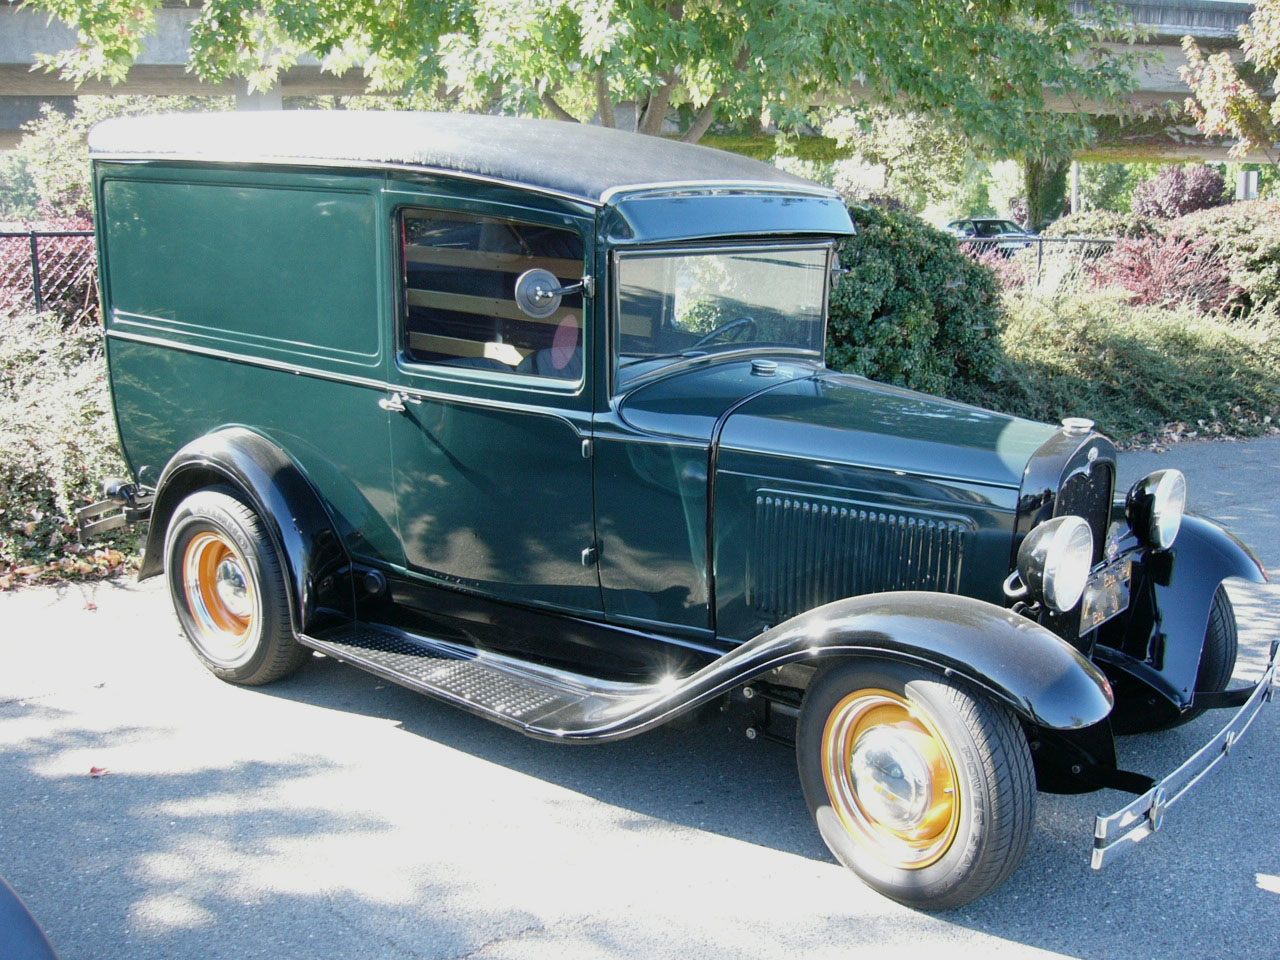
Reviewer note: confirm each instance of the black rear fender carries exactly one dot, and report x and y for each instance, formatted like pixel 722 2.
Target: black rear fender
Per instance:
pixel 300 529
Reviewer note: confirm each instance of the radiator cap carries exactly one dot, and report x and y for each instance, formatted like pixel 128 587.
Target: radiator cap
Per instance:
pixel 1077 426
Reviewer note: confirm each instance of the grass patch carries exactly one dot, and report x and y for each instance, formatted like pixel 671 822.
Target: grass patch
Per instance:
pixel 57 444
pixel 1144 374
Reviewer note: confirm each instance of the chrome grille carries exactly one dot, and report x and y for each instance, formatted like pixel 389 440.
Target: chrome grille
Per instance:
pixel 808 552
pixel 1088 495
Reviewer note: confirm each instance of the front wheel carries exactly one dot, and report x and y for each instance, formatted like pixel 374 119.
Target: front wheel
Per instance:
pixel 921 786
pixel 228 590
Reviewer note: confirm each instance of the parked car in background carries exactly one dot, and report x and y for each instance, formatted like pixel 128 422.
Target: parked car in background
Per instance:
pixel 983 234
pixel 533 418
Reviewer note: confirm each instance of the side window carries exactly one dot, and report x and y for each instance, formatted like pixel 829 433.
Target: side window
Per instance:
pixel 460 273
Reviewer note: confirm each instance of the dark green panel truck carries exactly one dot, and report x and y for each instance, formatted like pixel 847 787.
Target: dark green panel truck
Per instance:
pixel 532 417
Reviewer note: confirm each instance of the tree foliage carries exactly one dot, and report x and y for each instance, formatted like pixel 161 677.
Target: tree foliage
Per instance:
pixel 921 157
pixel 983 65
pixel 55 158
pixel 1228 104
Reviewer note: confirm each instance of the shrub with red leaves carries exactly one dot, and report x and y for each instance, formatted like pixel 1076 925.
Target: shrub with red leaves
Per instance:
pixel 1179 190
pixel 1167 271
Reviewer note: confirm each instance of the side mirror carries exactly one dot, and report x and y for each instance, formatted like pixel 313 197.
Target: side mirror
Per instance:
pixel 538 292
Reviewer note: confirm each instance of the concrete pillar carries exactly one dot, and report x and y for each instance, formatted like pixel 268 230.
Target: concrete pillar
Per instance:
pixel 266 100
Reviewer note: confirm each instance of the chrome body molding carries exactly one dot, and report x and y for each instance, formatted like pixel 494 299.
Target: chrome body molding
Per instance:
pixel 414 394
pixel 1119 831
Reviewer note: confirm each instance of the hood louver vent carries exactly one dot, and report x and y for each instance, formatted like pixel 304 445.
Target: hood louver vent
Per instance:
pixel 808 552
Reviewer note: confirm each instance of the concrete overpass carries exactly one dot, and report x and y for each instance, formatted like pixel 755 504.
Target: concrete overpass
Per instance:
pixel 161 69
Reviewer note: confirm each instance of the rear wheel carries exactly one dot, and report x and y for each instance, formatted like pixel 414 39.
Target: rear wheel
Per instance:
pixel 922 787
pixel 228 589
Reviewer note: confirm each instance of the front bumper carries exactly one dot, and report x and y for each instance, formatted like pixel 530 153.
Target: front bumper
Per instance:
pixel 1116 833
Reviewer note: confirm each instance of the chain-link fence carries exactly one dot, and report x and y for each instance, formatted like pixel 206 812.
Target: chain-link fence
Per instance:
pixel 1041 266
pixel 49 270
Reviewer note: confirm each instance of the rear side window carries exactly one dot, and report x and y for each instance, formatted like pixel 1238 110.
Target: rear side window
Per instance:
pixel 460 272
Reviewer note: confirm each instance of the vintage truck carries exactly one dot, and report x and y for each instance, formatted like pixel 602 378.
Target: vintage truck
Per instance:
pixel 533 417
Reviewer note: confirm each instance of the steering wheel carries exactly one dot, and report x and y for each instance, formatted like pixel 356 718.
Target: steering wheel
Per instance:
pixel 742 324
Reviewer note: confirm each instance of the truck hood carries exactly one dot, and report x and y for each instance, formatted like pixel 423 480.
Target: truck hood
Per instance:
pixel 840 418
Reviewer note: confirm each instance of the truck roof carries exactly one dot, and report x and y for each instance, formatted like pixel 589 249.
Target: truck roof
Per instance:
pixel 574 160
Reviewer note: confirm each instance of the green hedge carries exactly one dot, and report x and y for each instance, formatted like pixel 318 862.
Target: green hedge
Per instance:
pixel 913 309
pixel 1103 223
pixel 1140 372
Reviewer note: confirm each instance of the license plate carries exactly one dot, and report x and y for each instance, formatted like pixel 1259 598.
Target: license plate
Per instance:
pixel 1106 594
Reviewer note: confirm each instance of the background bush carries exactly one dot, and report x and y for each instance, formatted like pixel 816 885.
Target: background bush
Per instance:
pixel 1102 223
pixel 913 309
pixel 1178 190
pixel 1140 372
pixel 57 444
pixel 1247 236
pixel 1167 271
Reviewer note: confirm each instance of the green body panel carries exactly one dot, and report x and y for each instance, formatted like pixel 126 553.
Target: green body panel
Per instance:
pixel 836 486
pixel 334 430
pixel 201 336
pixel 652 455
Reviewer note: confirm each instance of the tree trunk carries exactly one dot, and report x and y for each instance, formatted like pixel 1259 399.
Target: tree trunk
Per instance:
pixel 655 112
pixel 604 102
pixel 1045 180
pixel 557 111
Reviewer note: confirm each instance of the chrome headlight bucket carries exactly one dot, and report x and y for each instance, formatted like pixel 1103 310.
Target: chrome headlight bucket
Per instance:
pixel 1054 561
pixel 1154 507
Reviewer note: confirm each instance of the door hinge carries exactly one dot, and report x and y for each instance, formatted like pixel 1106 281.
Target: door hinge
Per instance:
pixel 590 556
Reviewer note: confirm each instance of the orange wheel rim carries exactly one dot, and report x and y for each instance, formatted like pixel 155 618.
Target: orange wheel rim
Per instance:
pixel 891 778
pixel 220 596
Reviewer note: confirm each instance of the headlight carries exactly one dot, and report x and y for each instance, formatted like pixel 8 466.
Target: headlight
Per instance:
pixel 1155 505
pixel 1054 561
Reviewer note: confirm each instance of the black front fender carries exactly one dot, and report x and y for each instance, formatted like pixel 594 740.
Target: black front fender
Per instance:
pixel 1160 642
pixel 300 529
pixel 1012 659
pixel 1035 672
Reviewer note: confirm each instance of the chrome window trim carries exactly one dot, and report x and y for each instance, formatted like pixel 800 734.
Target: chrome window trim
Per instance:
pixel 552 386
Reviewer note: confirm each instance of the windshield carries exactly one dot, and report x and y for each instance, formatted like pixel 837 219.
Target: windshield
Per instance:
pixel 697 302
pixel 993 228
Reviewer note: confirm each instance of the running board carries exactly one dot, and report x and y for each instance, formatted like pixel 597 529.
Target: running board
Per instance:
pixel 540 701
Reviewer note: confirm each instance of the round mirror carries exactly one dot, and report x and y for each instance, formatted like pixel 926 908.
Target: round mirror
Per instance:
pixel 535 293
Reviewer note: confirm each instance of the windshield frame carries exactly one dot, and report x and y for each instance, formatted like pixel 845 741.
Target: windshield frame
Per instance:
pixel 620 254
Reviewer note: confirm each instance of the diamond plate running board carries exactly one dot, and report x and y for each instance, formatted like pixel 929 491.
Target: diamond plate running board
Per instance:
pixel 540 701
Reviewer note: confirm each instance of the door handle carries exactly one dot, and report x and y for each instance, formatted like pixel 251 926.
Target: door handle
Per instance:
pixel 392 404
pixel 395 403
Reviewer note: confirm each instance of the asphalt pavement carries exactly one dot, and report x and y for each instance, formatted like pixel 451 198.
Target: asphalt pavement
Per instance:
pixel 334 815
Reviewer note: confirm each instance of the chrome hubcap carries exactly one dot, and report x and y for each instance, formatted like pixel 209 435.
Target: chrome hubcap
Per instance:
pixel 233 591
pixel 220 598
pixel 891 779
